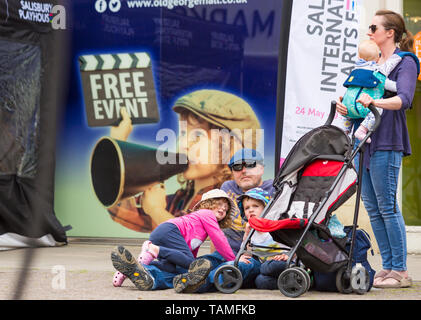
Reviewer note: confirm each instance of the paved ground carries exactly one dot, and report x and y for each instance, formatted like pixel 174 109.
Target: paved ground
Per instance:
pixel 83 271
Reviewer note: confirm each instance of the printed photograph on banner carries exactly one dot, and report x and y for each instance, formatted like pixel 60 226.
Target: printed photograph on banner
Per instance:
pixel 316 73
pixel 161 100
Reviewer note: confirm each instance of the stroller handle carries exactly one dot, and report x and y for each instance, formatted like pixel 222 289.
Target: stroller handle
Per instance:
pixel 371 107
pixel 332 113
pixel 376 114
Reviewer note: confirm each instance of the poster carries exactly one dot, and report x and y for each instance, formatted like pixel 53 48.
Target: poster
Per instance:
pixel 198 50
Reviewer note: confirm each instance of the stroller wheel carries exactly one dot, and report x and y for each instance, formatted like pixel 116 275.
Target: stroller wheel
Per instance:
pixel 228 279
pixel 343 281
pixel 303 271
pixel 293 283
pixel 360 279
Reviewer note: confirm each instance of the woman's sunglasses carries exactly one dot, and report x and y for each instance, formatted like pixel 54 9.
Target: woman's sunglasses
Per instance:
pixel 372 28
pixel 238 166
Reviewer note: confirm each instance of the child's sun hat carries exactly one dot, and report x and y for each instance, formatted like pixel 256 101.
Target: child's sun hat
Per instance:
pixel 217 193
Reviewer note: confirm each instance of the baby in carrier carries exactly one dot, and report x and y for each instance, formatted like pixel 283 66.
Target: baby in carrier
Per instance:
pixel 371 78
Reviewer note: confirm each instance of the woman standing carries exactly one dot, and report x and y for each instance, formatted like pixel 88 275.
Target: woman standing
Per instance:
pixel 389 143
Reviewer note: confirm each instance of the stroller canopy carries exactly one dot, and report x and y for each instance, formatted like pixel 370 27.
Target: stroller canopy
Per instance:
pixel 325 142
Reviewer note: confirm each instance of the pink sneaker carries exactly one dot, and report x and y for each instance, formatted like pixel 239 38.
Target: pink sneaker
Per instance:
pixel 119 278
pixel 146 257
pixel 361 132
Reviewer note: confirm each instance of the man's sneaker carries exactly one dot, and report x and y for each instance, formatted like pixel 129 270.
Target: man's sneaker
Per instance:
pixel 119 278
pixel 124 262
pixel 192 280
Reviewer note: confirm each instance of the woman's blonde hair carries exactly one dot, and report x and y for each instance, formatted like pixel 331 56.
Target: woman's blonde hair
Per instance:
pixel 212 204
pixel 394 21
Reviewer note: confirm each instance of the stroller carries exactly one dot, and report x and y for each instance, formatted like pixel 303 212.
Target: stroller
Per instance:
pixel 316 178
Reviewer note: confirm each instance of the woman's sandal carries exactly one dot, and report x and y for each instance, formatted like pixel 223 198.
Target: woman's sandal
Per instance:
pixel 380 275
pixel 401 282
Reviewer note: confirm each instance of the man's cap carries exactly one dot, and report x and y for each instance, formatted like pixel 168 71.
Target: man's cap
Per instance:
pixel 224 110
pixel 255 193
pixel 245 154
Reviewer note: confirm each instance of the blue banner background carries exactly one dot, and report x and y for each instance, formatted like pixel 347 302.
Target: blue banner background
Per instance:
pixel 181 63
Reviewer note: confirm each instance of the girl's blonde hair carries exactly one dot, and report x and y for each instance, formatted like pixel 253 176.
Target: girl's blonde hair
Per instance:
pixel 212 204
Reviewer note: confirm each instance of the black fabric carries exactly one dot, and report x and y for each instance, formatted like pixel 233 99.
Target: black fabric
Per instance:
pixel 323 142
pixel 312 190
pixel 33 58
pixel 20 76
pixel 327 281
pixel 317 254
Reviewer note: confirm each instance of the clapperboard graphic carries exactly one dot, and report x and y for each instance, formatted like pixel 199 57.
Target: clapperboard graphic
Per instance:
pixel 113 81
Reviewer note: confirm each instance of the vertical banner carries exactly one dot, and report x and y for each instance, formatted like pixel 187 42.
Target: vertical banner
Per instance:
pixel 32 37
pixel 322 51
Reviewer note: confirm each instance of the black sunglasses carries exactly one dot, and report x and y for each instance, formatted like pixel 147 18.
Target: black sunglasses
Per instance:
pixel 238 166
pixel 372 28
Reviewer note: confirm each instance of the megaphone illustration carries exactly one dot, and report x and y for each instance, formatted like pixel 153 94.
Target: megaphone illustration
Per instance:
pixel 121 169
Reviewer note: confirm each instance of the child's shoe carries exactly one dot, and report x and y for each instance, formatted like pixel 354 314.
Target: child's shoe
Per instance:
pixel 119 278
pixel 124 262
pixel 361 132
pixel 146 257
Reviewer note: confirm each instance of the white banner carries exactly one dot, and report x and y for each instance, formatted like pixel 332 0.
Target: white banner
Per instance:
pixel 322 52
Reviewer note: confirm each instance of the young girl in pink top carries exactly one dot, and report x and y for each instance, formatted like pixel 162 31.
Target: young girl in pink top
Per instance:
pixel 177 241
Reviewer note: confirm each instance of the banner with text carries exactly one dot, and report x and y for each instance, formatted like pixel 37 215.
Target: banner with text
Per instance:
pixel 198 78
pixel 322 52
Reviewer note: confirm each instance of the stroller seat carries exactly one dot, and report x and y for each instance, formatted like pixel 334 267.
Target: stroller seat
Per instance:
pixel 314 182
pixel 310 194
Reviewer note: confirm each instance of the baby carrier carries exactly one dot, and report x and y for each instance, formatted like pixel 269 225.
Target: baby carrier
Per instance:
pixel 366 81
pixel 316 178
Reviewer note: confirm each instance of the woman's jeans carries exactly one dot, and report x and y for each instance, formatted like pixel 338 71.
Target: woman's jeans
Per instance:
pixel 379 189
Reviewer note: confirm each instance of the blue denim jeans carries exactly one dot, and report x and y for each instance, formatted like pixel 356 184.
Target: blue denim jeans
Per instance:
pixel 248 271
pixel 379 188
pixel 162 279
pixel 269 273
